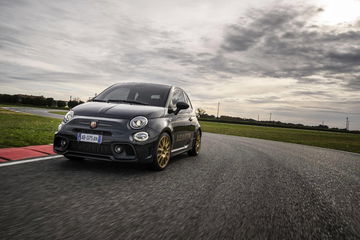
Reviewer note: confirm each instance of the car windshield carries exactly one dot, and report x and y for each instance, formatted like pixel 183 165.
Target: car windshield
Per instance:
pixel 142 94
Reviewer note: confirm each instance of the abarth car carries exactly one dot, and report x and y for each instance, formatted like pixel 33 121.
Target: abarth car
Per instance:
pixel 131 122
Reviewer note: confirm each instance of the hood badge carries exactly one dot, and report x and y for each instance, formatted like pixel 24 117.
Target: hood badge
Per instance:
pixel 93 124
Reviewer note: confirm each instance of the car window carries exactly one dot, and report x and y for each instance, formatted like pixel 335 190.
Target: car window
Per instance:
pixel 187 99
pixel 119 94
pixel 152 95
pixel 178 96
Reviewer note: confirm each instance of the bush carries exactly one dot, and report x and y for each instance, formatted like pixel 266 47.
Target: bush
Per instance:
pixel 61 104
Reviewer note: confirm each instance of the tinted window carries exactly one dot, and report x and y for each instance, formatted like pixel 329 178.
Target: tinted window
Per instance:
pixel 154 95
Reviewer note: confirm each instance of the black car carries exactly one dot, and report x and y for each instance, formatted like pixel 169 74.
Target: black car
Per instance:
pixel 131 122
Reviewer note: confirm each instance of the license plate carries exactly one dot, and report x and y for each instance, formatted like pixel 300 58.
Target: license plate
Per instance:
pixel 92 138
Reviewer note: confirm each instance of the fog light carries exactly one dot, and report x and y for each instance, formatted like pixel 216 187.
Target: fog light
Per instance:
pixel 141 136
pixel 63 142
pixel 118 149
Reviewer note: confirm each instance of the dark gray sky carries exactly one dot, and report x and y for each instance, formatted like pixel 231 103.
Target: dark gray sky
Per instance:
pixel 299 61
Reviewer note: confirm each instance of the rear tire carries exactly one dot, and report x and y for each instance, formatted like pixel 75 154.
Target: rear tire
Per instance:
pixel 161 153
pixel 196 144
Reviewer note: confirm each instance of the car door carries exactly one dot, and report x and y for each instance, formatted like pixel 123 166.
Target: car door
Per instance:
pixel 180 122
pixel 188 123
pixel 192 115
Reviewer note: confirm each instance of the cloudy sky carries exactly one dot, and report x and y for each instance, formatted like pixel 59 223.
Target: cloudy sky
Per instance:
pixel 299 61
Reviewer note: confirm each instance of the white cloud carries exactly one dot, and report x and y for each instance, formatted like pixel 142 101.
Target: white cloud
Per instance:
pixel 63 48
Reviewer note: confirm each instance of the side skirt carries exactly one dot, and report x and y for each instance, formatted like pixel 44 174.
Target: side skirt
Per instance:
pixel 180 150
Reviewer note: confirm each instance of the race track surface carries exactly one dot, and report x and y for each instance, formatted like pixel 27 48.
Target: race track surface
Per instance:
pixel 37 111
pixel 237 188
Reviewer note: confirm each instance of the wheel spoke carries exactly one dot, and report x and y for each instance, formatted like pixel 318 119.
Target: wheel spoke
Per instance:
pixel 197 142
pixel 163 151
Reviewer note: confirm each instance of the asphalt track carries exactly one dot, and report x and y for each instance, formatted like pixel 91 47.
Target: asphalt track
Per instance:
pixel 237 188
pixel 37 111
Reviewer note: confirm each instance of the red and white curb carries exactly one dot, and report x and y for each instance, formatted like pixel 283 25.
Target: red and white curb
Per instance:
pixel 17 155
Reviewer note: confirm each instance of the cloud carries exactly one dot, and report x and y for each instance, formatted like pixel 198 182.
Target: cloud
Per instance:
pixel 247 33
pixel 253 57
pixel 312 93
pixel 283 42
pixel 269 99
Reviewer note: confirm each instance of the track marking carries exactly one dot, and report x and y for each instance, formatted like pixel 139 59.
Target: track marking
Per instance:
pixel 29 160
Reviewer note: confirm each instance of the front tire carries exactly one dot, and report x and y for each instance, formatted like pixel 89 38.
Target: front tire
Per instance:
pixel 196 144
pixel 161 153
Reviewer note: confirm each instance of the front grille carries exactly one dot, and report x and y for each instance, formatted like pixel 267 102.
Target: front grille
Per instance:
pixel 93 148
pixel 104 133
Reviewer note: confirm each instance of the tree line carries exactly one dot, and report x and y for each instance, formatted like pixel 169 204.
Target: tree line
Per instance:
pixel 39 101
pixel 202 115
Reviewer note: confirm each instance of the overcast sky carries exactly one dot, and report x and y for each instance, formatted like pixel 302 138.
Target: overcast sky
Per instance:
pixel 299 60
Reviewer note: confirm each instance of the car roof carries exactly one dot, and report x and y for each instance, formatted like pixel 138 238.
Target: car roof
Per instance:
pixel 144 84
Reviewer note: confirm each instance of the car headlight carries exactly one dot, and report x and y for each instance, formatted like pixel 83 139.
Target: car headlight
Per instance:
pixel 138 122
pixel 68 117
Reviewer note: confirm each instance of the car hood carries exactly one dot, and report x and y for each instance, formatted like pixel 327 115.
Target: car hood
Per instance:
pixel 117 110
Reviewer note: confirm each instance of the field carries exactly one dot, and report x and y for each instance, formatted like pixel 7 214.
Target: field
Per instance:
pixel 20 129
pixel 341 141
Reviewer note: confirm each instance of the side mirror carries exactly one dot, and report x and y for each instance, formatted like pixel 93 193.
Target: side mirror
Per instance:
pixel 181 106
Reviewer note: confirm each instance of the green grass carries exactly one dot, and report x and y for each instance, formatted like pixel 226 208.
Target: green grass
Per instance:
pixel 20 129
pixel 340 141
pixel 58 112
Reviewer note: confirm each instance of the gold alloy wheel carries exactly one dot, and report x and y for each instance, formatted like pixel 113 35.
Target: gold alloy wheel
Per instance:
pixel 163 151
pixel 197 142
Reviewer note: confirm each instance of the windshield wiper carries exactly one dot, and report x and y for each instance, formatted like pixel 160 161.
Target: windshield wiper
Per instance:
pixel 127 101
pixel 98 100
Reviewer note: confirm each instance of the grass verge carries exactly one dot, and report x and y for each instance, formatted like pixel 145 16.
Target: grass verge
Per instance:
pixel 20 129
pixel 340 141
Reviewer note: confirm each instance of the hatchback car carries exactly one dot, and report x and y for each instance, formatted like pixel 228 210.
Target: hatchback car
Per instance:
pixel 131 122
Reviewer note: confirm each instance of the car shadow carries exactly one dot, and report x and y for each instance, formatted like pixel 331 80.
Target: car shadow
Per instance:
pixel 118 167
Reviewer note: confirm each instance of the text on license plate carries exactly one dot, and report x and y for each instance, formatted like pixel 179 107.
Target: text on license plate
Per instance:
pixel 93 138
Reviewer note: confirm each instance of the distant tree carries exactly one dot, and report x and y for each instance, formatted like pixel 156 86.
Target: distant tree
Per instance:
pixel 6 98
pixel 49 102
pixel 74 103
pixel 200 112
pixel 38 100
pixel 61 104
pixel 321 126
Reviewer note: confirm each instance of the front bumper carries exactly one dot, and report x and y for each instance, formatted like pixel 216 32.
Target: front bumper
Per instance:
pixel 114 132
